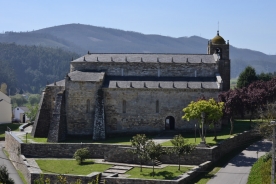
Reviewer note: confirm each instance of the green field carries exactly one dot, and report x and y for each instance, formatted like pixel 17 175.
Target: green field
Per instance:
pixel 31 139
pixel 64 166
pixel 3 128
pixel 233 83
pixel 167 173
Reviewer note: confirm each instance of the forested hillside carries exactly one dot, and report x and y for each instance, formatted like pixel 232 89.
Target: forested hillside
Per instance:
pixel 31 67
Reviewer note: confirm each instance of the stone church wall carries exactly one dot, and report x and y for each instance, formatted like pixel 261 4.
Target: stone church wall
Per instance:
pixel 46 107
pixel 143 113
pixel 80 106
pixel 149 69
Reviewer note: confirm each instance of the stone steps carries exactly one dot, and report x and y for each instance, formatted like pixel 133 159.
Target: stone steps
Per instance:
pixel 157 163
pixel 121 170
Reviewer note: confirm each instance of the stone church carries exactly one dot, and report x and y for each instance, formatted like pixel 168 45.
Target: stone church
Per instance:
pixel 112 93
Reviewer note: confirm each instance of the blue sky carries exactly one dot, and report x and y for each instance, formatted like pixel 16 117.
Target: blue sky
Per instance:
pixel 245 23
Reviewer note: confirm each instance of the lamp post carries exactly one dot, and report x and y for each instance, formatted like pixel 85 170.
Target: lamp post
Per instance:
pixel 26 136
pixel 273 153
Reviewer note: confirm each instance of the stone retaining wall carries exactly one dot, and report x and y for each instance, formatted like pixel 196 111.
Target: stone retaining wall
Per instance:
pixel 114 153
pixel 197 156
pixel 69 178
pixel 13 146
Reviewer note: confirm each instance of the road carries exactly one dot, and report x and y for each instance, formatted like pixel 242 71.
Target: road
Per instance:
pixel 11 170
pixel 237 170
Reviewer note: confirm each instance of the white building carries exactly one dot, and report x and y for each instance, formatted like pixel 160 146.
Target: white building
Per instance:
pixel 20 114
pixel 5 109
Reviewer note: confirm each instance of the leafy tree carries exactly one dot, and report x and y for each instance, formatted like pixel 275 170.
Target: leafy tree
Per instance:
pixel 18 100
pixel 139 141
pixel 212 110
pixel 4 176
pixel 154 151
pixel 246 77
pixel 267 113
pixel 33 109
pixel 265 76
pixel 4 88
pixel 256 97
pixel 34 99
pixel 233 104
pixel 181 147
pixel 81 154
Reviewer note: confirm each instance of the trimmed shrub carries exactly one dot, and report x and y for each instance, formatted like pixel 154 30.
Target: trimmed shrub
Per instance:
pixel 81 154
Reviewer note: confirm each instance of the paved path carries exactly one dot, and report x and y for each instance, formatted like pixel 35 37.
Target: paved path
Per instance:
pixel 237 170
pixel 11 170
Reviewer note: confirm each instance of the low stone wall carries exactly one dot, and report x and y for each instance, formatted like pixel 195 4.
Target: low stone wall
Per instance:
pixel 65 150
pixel 69 178
pixel 29 170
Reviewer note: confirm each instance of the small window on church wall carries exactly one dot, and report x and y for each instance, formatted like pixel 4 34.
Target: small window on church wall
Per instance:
pixel 157 106
pixel 124 106
pixel 88 106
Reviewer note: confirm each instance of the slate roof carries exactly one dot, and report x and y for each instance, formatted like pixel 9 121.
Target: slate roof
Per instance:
pixel 25 109
pixel 161 82
pixel 58 83
pixel 146 58
pixel 86 76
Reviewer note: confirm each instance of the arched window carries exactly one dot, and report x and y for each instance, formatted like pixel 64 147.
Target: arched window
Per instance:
pixel 124 106
pixel 157 106
pixel 88 106
pixel 219 52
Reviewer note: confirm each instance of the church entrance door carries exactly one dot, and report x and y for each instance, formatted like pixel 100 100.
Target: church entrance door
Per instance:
pixel 169 123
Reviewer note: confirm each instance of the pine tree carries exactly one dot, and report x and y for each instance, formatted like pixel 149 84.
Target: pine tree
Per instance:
pixel 247 77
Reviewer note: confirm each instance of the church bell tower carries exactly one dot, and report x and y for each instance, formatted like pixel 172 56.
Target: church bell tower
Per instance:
pixel 218 46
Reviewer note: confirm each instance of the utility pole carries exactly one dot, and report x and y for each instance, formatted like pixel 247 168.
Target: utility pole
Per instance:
pixel 273 153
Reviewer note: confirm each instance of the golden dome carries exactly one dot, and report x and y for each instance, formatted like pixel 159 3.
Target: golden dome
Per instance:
pixel 218 39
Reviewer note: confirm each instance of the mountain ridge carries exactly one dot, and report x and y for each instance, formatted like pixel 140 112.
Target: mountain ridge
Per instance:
pixel 82 38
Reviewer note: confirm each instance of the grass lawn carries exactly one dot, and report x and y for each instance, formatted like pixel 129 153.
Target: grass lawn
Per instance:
pixel 32 139
pixel 114 140
pixel 260 172
pixel 22 177
pixel 110 140
pixel 3 128
pixel 167 173
pixel 239 126
pixel 70 166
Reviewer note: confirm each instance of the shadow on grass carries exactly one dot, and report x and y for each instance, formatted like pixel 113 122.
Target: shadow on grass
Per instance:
pixel 87 163
pixel 165 174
